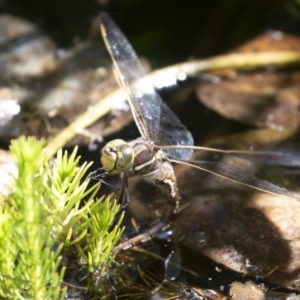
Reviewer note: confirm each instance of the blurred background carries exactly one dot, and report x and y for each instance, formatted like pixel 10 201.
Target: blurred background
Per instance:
pixel 163 31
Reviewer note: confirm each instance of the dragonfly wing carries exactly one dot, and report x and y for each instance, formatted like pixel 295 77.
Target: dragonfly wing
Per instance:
pixel 156 122
pixel 238 175
pixel 173 133
pixel 145 103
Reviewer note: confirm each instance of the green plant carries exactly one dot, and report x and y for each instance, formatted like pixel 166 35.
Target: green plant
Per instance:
pixel 51 208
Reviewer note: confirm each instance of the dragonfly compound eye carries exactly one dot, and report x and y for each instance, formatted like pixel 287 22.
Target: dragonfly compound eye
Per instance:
pixel 117 157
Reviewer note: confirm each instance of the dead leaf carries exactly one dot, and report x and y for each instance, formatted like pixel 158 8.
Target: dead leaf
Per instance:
pixel 250 232
pixel 267 99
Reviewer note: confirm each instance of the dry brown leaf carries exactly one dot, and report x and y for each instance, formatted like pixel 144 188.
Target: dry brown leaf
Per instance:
pixel 262 98
pixel 250 232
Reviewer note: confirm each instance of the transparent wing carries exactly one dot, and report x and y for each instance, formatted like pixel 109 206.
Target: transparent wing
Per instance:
pixel 238 175
pixel 155 121
pixel 173 132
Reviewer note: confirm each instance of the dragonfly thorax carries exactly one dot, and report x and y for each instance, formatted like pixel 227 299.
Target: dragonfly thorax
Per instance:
pixel 153 165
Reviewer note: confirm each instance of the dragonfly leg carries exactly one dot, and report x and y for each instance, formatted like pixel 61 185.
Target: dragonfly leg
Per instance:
pixel 162 225
pixel 168 213
pixel 124 197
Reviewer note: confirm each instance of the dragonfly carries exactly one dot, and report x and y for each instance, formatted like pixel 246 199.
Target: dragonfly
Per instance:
pixel 164 140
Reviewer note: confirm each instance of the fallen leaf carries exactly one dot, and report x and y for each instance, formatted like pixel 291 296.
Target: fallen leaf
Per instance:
pixel 264 98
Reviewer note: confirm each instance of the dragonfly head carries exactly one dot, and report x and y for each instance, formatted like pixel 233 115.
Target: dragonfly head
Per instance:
pixel 117 157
